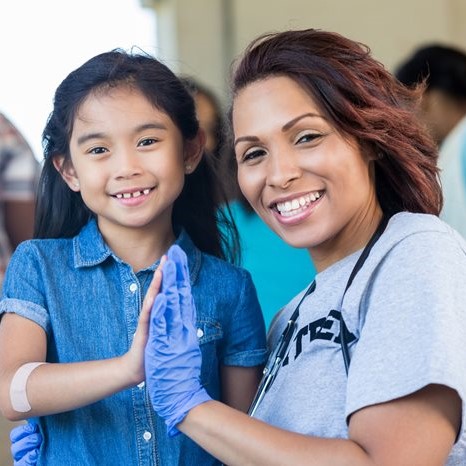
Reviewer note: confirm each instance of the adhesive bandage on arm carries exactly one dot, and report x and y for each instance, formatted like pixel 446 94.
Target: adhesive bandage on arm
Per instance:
pixel 18 395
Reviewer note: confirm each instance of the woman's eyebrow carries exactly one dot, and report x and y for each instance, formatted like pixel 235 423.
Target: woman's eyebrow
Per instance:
pixel 247 139
pixel 285 127
pixel 291 123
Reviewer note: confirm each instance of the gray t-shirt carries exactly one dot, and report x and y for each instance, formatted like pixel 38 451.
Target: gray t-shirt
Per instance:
pixel 406 309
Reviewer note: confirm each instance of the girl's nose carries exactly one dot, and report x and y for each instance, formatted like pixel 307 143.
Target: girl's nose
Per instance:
pixel 129 164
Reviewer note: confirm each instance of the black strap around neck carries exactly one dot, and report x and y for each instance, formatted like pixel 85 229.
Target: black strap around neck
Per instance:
pixel 344 332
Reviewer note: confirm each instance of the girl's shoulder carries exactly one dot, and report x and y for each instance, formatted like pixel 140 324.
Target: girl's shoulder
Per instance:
pixel 220 269
pixel 206 266
pixel 48 246
pixel 40 258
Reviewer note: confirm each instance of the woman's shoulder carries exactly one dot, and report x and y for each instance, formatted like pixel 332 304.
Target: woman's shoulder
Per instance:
pixel 420 248
pixel 414 222
pixel 414 226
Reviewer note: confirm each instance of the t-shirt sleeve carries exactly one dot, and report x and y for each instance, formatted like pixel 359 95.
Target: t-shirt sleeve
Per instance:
pixel 22 289
pixel 414 324
pixel 245 343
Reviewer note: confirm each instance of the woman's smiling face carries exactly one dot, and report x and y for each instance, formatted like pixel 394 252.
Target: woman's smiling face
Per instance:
pixel 312 186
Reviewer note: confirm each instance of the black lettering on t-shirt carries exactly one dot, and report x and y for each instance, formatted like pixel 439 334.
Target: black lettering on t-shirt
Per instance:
pixel 319 329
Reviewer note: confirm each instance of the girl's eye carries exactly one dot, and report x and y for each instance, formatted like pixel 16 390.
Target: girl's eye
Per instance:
pixel 98 150
pixel 147 142
pixel 308 137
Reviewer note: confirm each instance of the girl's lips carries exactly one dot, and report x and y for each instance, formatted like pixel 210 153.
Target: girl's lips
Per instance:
pixel 133 198
pixel 132 193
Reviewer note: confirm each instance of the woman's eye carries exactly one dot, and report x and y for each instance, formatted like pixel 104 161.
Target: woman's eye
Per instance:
pixel 253 154
pixel 147 142
pixel 308 137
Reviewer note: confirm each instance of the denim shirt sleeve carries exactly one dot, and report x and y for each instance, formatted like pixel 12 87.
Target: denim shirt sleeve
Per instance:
pixel 22 292
pixel 245 337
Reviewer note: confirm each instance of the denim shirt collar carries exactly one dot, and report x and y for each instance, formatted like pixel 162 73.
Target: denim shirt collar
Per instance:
pixel 90 249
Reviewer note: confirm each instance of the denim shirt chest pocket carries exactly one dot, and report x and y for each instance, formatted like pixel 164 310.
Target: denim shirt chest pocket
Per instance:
pixel 210 335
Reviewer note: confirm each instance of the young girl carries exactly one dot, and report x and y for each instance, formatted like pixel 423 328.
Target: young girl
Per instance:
pixel 370 360
pixel 123 180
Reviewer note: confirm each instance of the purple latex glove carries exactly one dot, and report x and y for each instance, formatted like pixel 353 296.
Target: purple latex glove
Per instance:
pixel 172 356
pixel 25 443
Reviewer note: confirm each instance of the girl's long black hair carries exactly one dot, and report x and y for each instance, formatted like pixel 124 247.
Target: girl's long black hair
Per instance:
pixel 61 212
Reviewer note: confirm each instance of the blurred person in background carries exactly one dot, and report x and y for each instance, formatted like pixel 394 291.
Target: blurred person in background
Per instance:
pixel 209 113
pixel 443 110
pixel 18 175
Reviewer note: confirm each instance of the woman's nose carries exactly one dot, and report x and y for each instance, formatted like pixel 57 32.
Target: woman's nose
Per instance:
pixel 282 169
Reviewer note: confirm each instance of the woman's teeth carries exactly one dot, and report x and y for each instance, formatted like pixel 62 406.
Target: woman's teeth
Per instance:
pixel 134 194
pixel 290 208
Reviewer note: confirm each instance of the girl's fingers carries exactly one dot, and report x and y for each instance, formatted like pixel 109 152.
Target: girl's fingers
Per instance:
pixel 152 292
pixel 154 288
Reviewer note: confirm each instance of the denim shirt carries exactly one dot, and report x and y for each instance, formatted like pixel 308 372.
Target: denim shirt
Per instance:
pixel 88 302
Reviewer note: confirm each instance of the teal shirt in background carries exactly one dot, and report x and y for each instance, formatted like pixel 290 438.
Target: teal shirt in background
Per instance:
pixel 278 270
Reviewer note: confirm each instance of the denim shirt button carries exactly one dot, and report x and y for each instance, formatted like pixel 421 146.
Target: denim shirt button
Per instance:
pixel 200 333
pixel 133 287
pixel 147 436
pixel 141 385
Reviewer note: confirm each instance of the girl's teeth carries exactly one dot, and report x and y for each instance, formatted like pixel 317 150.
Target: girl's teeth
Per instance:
pixel 130 195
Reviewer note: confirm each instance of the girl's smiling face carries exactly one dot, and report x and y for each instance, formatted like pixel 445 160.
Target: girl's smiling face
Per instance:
pixel 127 161
pixel 312 186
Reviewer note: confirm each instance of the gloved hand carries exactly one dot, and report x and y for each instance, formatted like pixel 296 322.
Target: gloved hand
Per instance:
pixel 25 443
pixel 172 355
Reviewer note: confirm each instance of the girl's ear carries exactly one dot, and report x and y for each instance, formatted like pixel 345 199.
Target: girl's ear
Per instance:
pixel 67 172
pixel 193 151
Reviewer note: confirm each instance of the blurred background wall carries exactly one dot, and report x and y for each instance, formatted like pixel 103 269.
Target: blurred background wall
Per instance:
pixel 202 37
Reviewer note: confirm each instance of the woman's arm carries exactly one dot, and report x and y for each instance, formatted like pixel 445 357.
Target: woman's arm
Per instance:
pixel 239 384
pixel 416 430
pixel 419 429
pixel 54 388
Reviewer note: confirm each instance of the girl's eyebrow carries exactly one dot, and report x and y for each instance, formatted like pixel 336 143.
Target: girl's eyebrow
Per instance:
pixel 285 127
pixel 150 126
pixel 89 136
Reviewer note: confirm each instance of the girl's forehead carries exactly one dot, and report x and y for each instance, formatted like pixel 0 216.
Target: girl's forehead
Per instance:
pixel 121 97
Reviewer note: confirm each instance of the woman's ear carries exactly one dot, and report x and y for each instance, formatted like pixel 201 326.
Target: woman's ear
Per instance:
pixel 67 172
pixel 193 151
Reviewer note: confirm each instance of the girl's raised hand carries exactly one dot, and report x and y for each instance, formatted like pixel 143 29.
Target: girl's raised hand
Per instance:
pixel 134 358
